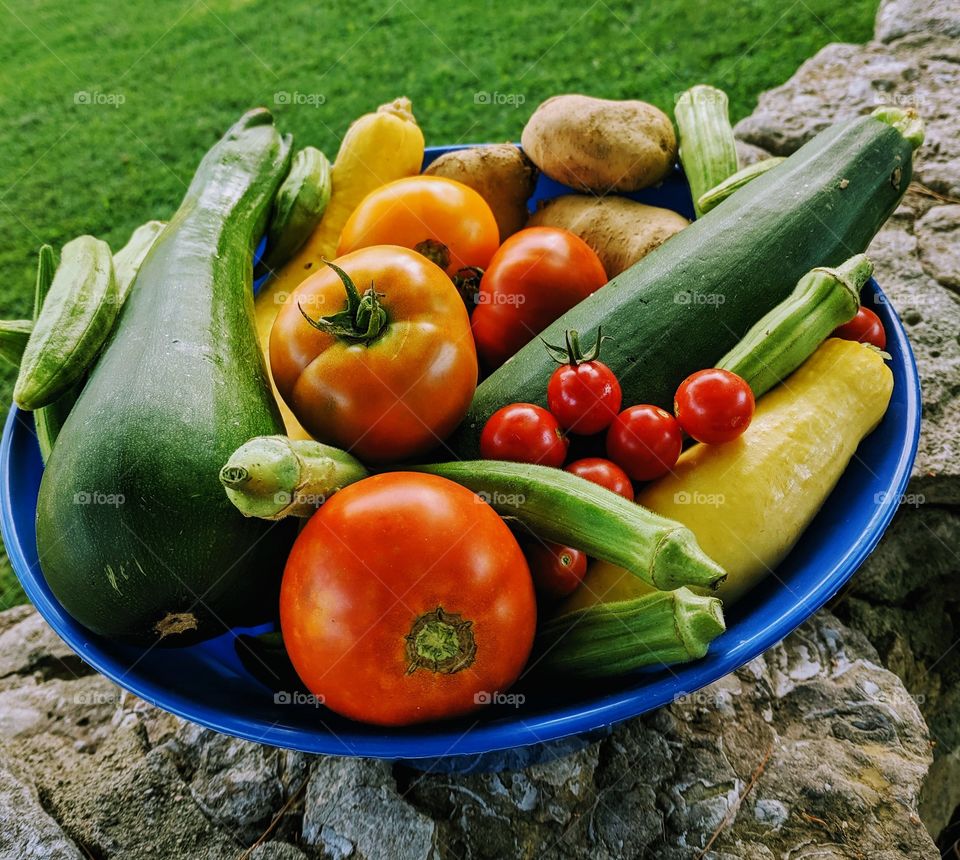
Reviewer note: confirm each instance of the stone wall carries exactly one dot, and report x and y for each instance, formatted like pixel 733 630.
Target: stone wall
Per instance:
pixel 818 748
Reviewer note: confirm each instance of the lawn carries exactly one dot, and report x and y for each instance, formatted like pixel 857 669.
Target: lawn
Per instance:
pixel 109 106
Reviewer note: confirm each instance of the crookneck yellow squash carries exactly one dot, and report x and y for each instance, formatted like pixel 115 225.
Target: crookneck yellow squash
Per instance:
pixel 378 148
pixel 748 501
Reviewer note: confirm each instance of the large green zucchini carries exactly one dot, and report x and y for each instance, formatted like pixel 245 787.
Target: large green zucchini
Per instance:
pixel 684 306
pixel 136 537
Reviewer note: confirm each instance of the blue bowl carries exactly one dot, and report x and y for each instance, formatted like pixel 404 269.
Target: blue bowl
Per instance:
pixel 209 684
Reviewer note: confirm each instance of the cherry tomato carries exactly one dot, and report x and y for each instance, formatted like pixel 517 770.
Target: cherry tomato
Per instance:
pixel 537 275
pixel 524 433
pixel 387 393
pixel 405 599
pixel 583 394
pixel 714 405
pixel 557 570
pixel 605 473
pixel 443 219
pixel 645 441
pixel 865 327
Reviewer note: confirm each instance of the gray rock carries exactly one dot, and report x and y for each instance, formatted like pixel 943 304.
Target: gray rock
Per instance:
pixel 28 832
pixel 899 18
pixel 353 809
pixel 277 851
pixel 938 237
pixel 920 71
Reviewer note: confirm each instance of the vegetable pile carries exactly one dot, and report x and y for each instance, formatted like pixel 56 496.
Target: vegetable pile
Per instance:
pixel 554 443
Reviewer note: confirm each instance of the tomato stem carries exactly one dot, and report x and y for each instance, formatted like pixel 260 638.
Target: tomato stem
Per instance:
pixel 362 321
pixel 441 642
pixel 572 352
pixel 436 252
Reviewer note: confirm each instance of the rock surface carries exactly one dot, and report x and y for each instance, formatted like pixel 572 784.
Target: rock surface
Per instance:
pixel 819 748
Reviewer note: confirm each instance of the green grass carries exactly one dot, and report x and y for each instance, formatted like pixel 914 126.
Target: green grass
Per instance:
pixel 166 78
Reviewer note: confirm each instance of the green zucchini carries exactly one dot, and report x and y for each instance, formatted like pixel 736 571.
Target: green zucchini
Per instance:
pixel 715 196
pixel 708 150
pixel 298 207
pixel 609 639
pixel 565 508
pixel 135 535
pixel 786 337
pixel 127 261
pixel 74 321
pixel 14 335
pixel 685 305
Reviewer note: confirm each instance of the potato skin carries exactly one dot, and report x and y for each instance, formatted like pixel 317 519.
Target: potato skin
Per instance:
pixel 500 173
pixel 600 145
pixel 619 230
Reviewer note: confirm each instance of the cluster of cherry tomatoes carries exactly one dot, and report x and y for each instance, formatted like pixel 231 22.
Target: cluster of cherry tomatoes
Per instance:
pixel 641 442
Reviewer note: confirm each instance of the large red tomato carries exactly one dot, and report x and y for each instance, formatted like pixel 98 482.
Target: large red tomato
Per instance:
pixel 406 599
pixel 394 369
pixel 535 277
pixel 441 218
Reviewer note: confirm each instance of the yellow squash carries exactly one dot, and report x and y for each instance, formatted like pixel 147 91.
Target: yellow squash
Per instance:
pixel 378 148
pixel 748 501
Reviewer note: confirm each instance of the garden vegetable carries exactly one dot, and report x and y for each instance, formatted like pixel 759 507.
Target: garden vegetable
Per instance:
pixel 583 393
pixel 447 222
pixel 600 145
pixel 714 406
pixel 14 335
pixel 664 315
pixel 610 639
pixel 500 173
pixel 387 374
pixel 524 433
pixel 273 477
pixel 77 316
pixel 708 150
pixel 787 336
pixel 603 473
pixel 377 148
pixel 644 441
pixel 713 197
pixel 560 507
pixel 620 230
pixel 865 327
pixel 556 570
pixel 127 261
pixel 155 548
pixel 536 276
pixel 407 599
pixel 749 501
pixel 298 206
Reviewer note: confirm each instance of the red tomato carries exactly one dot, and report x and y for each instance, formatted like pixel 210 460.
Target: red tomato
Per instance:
pixel 523 433
pixel 584 397
pixel 406 599
pixel 537 275
pixel 444 220
pixel 865 327
pixel 604 473
pixel 714 405
pixel 645 441
pixel 557 570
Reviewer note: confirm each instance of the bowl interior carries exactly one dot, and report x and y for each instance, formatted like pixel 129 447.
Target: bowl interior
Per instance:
pixel 222 684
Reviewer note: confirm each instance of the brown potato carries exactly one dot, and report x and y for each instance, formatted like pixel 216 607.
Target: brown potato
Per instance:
pixel 500 173
pixel 600 145
pixel 619 230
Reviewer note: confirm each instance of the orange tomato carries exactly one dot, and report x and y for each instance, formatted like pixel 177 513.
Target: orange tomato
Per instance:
pixel 392 371
pixel 445 220
pixel 405 599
